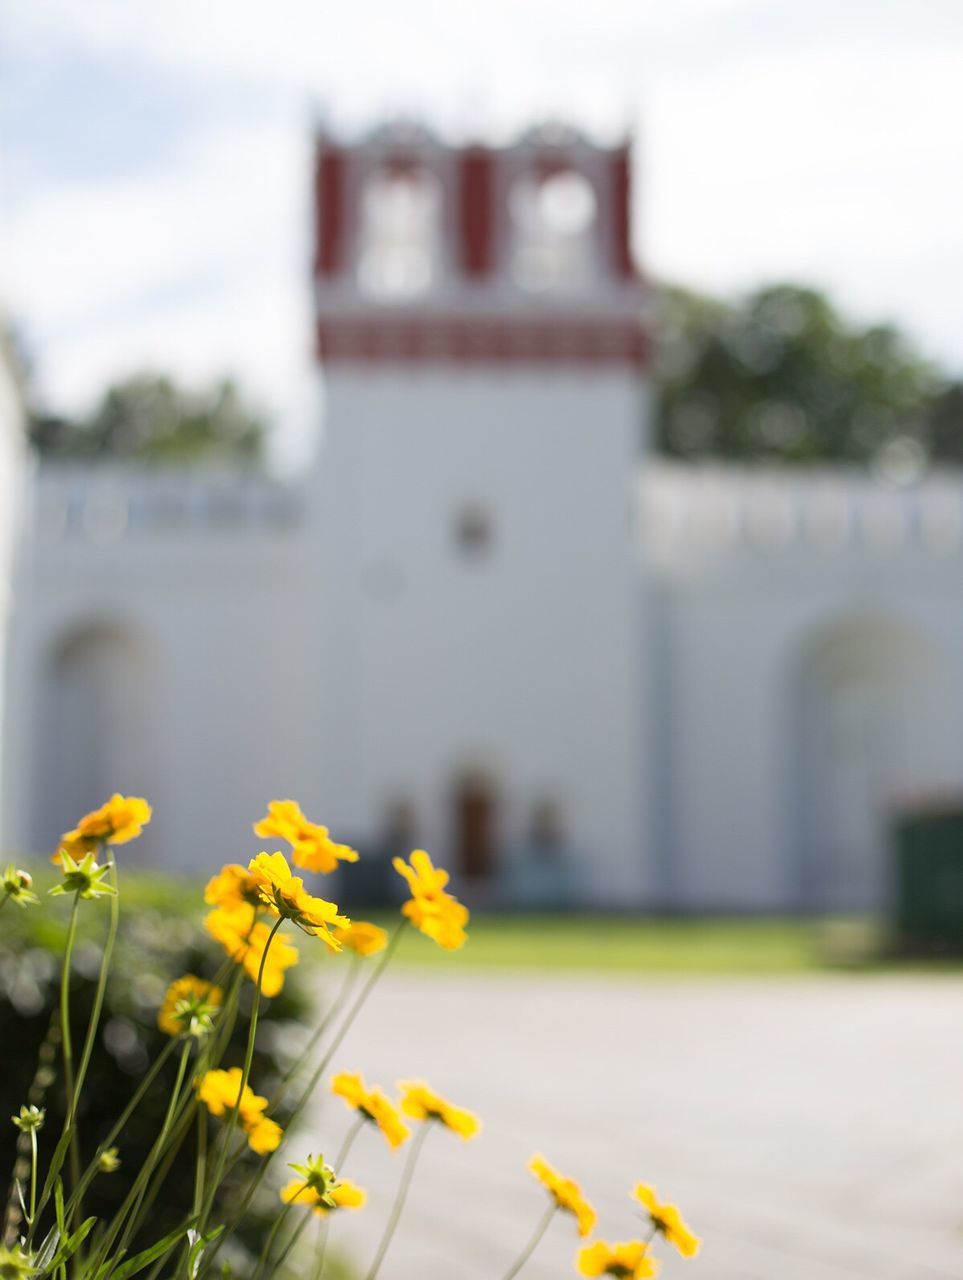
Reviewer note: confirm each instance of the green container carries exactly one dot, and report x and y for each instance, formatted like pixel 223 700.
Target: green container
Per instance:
pixel 929 879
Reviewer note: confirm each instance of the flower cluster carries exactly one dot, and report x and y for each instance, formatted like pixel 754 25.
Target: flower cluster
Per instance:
pixel 566 1193
pixel 285 896
pixel 373 1105
pixel 249 907
pixel 634 1258
pixel 438 914
pixel 189 1007
pixel 422 1103
pixel 219 1091
pixel 120 820
pixel 245 939
pixel 311 845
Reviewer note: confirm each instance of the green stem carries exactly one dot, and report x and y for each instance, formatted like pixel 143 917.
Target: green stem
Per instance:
pixel 114 904
pixel 533 1244
pixel 330 1015
pixel 322 1246
pixel 94 1168
pixel 33 1176
pixel 326 1217
pixel 348 1143
pixel 345 1027
pixel 201 1166
pixel 278 1224
pixel 295 1237
pixel 66 1046
pixel 132 1203
pixel 245 1076
pixel 309 1089
pixel 94 1021
pixel 417 1143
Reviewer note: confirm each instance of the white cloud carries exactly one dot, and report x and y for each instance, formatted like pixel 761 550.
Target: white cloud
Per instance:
pixel 777 141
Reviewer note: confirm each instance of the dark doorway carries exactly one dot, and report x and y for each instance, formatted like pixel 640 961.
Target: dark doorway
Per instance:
pixel 475 826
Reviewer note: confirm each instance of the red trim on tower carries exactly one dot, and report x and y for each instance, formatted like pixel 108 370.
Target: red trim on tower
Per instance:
pixel 329 198
pixel 621 213
pixel 475 222
pixel 492 340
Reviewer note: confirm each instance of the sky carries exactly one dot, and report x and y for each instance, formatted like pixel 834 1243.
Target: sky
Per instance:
pixel 155 158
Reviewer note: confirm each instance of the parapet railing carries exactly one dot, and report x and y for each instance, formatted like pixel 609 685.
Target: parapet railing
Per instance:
pixel 701 508
pixel 105 505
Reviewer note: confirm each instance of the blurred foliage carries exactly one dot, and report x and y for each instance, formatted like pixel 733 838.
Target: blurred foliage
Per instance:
pixel 160 938
pixel 781 376
pixel 149 418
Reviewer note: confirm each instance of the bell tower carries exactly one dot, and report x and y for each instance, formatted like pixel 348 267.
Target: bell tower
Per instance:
pixel 478 326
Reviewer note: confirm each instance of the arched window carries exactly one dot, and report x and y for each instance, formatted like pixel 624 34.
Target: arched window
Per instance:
pixel 553 221
pixel 400 246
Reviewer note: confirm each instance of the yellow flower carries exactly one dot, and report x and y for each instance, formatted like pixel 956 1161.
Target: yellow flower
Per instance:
pixel 121 819
pixel 319 1188
pixel 668 1221
pixel 422 1103
pixel 628 1261
pixel 232 887
pixel 218 1090
pixel 189 1006
pixel 311 844
pixel 244 940
pixel 344 1195
pixel 364 938
pixel 285 895
pixel 373 1104
pixel 263 1136
pixel 566 1193
pixel 438 914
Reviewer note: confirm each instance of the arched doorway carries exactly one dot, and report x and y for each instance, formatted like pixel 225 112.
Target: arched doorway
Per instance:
pixel 874 725
pixel 97 729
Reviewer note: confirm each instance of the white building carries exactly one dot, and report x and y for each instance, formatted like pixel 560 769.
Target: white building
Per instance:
pixel 487 620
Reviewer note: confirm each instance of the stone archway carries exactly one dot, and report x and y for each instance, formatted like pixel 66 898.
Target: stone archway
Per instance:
pixel 873 725
pixel 96 731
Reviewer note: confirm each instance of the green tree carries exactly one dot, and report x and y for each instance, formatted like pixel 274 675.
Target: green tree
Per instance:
pixel 782 376
pixel 149 418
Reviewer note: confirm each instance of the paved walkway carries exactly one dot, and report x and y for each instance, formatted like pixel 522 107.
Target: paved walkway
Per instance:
pixel 808 1128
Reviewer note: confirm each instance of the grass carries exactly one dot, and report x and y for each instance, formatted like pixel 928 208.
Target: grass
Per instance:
pixel 588 943
pixel 578 943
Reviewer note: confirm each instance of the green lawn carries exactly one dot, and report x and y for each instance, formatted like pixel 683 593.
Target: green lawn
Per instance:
pixel 639 945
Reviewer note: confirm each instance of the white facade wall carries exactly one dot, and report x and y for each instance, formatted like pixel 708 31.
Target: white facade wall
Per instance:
pixel 11 472
pixel 521 661
pixel 167 651
pixel 809 642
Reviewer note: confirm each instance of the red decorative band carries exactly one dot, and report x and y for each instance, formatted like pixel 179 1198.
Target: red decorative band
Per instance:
pixel 481 341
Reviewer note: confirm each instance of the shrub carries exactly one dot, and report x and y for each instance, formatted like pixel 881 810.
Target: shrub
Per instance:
pixel 159 935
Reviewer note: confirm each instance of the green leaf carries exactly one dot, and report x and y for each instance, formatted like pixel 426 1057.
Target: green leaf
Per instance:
pixel 59 1205
pixel 48 1250
pixel 141 1260
pixel 198 1246
pixel 56 1163
pixel 72 1243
